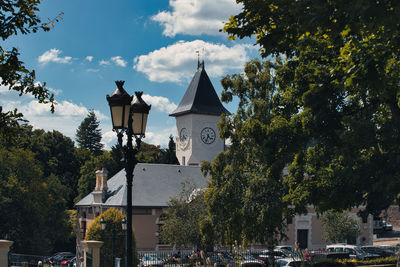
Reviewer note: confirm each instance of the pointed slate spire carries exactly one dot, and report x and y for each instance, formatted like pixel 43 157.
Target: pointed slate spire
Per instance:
pixel 200 97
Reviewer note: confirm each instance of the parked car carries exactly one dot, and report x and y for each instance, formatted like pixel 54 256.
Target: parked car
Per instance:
pixel 289 248
pixel 151 260
pixel 292 262
pixel 58 257
pixel 378 226
pixel 387 227
pixel 220 259
pixel 69 262
pixel 381 251
pixel 248 260
pixel 266 255
pixel 355 252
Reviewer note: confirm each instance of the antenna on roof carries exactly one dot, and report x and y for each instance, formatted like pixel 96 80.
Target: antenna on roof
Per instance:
pixel 204 55
pixel 198 58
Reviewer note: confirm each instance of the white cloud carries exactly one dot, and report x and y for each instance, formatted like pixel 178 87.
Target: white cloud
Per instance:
pixel 153 136
pixel 52 55
pixel 63 109
pixel 160 103
pixel 119 61
pixel 55 91
pixel 89 58
pixel 196 17
pixel 92 70
pixel 104 62
pixel 109 139
pixel 159 137
pixel 3 88
pixel 176 63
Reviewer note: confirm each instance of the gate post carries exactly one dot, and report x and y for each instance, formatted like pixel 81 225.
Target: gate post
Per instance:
pixel 4 248
pixel 92 247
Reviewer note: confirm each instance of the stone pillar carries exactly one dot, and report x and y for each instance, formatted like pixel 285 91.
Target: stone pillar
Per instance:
pixel 4 249
pixel 92 247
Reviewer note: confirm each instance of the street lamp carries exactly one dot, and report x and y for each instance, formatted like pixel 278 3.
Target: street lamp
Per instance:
pixel 103 224
pixel 129 114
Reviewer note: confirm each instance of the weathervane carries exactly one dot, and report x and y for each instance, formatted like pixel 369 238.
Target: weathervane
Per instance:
pixel 198 58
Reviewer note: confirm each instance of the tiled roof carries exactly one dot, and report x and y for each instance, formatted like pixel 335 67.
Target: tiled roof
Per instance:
pixel 200 97
pixel 153 185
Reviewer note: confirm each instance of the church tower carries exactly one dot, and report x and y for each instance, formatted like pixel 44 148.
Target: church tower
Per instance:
pixel 196 117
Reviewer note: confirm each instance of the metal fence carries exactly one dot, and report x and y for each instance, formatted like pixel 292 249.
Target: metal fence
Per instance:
pixel 201 258
pixel 24 260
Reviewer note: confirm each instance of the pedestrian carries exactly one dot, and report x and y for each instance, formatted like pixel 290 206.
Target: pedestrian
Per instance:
pixel 307 255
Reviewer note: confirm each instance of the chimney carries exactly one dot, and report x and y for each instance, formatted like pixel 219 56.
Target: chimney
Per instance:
pixel 101 185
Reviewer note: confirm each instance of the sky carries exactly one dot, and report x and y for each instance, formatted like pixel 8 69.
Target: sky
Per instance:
pixel 151 45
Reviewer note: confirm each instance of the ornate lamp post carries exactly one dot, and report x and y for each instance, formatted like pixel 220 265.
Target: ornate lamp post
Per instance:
pixel 129 114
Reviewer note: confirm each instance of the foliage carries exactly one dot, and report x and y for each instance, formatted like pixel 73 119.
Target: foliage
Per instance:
pixel 374 262
pixel 148 153
pixel 339 227
pixel 332 263
pixel 337 93
pixel 28 200
pixel 19 17
pixel 88 134
pixel 113 218
pixel 247 178
pixel 9 126
pixel 181 220
pixel 87 178
pixel 154 154
pixel 168 155
pixel 56 155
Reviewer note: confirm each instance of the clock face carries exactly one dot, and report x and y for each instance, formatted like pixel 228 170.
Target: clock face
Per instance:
pixel 207 135
pixel 183 138
pixel 183 135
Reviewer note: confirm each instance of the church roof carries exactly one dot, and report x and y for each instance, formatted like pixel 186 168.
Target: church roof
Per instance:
pixel 200 97
pixel 153 185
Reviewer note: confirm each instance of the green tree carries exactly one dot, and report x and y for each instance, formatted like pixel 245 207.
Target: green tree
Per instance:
pixel 87 178
pixel 56 154
pixel 33 205
pixel 181 221
pixel 340 227
pixel 113 218
pixel 338 92
pixel 247 178
pixel 88 134
pixel 168 155
pixel 149 153
pixel 20 17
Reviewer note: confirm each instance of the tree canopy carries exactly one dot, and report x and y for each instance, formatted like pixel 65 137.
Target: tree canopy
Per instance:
pixel 20 17
pixel 340 227
pixel 181 220
pixel 336 104
pixel 113 220
pixel 29 199
pixel 88 134
pixel 247 178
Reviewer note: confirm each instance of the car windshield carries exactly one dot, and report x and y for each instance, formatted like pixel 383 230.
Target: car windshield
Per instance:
pixel 151 258
pixel 248 257
pixel 359 250
pixel 299 263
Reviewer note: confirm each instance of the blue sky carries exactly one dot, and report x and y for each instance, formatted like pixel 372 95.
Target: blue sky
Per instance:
pixel 151 45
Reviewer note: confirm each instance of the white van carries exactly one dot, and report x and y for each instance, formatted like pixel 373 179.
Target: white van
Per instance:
pixel 355 252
